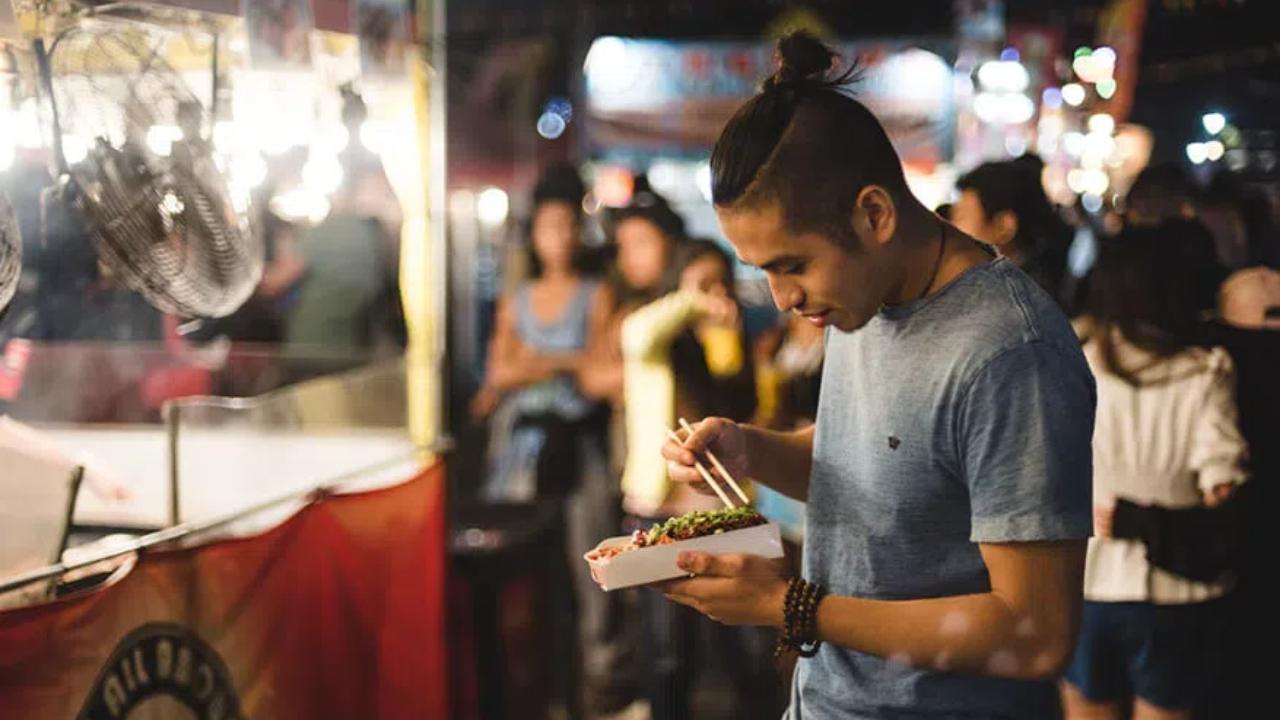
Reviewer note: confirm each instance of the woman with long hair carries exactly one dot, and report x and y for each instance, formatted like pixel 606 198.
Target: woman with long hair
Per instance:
pixel 644 237
pixel 685 355
pixel 547 438
pixel 1166 445
pixel 541 334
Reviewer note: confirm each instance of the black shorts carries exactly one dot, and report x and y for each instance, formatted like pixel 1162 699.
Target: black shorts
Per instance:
pixel 1168 655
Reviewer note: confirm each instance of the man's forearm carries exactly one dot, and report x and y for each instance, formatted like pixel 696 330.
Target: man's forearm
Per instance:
pixel 979 634
pixel 781 460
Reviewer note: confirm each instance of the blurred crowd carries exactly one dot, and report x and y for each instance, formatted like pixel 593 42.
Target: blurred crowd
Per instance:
pixel 1176 298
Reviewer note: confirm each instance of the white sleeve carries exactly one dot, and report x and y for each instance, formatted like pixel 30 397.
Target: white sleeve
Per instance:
pixel 1218 450
pixel 649 331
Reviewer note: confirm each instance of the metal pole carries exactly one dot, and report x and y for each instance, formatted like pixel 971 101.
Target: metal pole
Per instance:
pixel 172 414
pixel 213 87
pixel 438 193
pixel 423 272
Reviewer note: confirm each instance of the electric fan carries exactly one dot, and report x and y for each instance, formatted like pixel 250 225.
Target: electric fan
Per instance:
pixel 155 206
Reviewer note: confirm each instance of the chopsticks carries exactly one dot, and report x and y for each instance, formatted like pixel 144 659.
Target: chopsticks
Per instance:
pixel 706 475
pixel 719 466
pixel 702 470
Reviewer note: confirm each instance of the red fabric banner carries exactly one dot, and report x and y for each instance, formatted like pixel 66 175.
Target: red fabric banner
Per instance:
pixel 336 613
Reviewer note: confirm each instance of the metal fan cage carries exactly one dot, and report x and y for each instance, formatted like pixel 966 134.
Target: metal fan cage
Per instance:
pixel 163 223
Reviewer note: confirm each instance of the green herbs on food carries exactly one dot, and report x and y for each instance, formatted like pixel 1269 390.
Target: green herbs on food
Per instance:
pixel 703 522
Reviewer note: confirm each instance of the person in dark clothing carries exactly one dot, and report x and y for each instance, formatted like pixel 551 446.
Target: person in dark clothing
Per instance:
pixel 1240 218
pixel 1162 193
pixel 547 437
pixel 1003 204
pixel 348 299
pixel 1251 619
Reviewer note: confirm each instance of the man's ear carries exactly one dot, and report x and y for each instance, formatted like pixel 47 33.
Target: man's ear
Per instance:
pixel 875 215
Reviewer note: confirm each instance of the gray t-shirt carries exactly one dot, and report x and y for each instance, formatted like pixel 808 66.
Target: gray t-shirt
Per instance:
pixel 962 418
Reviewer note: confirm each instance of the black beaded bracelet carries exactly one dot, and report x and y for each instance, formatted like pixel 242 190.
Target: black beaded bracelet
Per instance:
pixel 808 630
pixel 800 618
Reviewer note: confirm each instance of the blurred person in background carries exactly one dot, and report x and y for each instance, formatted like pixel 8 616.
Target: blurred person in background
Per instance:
pixel 789 369
pixel 348 298
pixel 261 318
pixel 1246 240
pixel 788 360
pixel 24 184
pixel 367 192
pixel 541 334
pixel 1164 192
pixel 1004 205
pixel 1237 219
pixel 1166 446
pixel 341 289
pixel 645 236
pixel 685 355
pixel 788 380
pixel 65 293
pixel 1160 192
pixel 1250 298
pixel 547 438
pixel 645 233
pixel 1249 321
pixel 370 192
pixel 683 352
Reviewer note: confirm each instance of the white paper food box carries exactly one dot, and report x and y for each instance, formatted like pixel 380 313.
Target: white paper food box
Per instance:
pixel 652 564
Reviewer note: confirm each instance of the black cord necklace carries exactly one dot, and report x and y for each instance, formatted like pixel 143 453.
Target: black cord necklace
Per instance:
pixel 937 263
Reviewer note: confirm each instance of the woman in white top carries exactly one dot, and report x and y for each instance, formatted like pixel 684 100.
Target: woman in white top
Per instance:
pixel 1165 440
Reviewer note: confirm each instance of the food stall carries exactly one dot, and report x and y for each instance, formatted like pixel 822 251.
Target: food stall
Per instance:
pixel 183 487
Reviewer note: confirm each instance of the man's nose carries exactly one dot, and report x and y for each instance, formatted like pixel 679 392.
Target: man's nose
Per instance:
pixel 786 296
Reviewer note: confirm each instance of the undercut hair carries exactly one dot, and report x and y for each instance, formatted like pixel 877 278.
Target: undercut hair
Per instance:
pixel 805 143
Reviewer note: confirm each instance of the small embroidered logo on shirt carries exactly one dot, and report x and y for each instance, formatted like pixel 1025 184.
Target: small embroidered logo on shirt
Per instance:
pixel 894 442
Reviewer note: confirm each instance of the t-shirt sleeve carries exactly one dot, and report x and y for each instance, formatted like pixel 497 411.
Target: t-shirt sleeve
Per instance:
pixel 1024 435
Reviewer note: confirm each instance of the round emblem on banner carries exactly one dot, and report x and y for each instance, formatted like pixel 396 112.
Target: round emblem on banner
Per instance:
pixel 162 670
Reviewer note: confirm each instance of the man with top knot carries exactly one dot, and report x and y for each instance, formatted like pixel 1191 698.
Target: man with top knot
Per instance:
pixel 948 477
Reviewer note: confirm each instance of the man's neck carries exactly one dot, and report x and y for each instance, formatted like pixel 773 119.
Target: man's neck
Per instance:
pixel 918 240
pixel 924 271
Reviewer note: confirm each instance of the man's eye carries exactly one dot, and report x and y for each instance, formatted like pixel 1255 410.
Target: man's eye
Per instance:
pixel 797 269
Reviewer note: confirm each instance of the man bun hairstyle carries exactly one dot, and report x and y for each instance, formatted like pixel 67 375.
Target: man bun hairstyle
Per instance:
pixel 805 143
pixel 803 58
